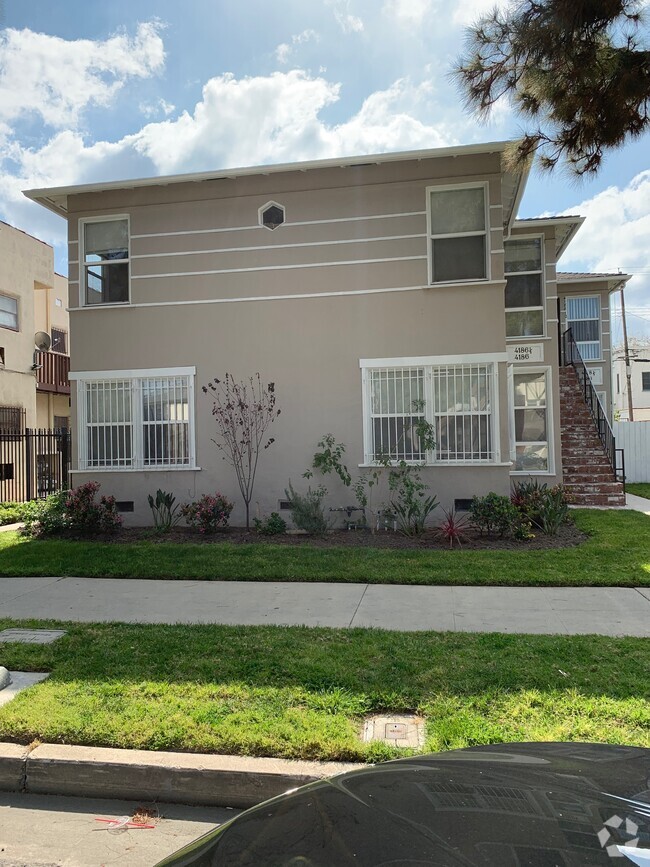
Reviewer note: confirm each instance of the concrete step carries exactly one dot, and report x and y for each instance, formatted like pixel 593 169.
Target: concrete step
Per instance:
pixel 593 488
pixel 598 500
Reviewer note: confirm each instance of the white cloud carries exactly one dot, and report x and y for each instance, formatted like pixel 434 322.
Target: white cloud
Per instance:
pixel 155 109
pixel 469 11
pixel 57 79
pixel 615 236
pixel 285 49
pixel 348 22
pixel 411 14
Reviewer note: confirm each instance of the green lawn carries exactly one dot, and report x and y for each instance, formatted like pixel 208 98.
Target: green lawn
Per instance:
pixel 641 489
pixel 301 693
pixel 616 554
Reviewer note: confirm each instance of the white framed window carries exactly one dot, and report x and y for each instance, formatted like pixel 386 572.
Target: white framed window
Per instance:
pixel 457 399
pixel 136 420
pixel 458 232
pixel 104 260
pixel 9 312
pixel 524 295
pixel 531 426
pixel 583 318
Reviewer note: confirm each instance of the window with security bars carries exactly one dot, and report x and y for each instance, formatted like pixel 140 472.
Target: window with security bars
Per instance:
pixel 462 408
pixel 583 318
pixel 396 405
pixel 457 400
pixel 59 341
pixel 165 421
pixel 137 423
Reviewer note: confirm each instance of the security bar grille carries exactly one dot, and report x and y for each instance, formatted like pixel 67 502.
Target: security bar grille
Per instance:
pixel 166 421
pixel 397 404
pixel 458 400
pixel 137 423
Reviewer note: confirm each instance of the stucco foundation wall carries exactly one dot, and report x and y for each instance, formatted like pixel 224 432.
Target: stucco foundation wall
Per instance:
pixel 310 349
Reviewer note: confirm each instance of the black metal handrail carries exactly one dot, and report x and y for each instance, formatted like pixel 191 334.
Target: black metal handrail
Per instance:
pixel 571 356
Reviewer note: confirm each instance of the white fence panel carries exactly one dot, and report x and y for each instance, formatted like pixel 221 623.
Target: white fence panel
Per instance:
pixel 634 437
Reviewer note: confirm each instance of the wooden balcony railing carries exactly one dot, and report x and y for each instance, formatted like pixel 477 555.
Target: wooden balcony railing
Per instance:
pixel 52 373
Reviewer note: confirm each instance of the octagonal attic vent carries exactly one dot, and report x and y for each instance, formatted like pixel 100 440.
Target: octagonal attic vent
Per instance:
pixel 271 215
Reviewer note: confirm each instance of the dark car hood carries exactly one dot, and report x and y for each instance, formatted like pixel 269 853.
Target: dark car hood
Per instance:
pixel 514 805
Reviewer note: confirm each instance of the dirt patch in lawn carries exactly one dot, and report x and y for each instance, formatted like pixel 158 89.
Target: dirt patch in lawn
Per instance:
pixel 567 537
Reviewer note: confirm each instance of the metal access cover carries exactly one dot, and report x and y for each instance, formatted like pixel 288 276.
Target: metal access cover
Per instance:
pixel 30 636
pixel 398 730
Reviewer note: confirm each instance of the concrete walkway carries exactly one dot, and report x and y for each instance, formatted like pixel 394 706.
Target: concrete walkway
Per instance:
pixel 561 610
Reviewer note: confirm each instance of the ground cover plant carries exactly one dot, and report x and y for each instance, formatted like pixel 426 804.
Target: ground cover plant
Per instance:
pixel 640 489
pixel 300 692
pixel 616 553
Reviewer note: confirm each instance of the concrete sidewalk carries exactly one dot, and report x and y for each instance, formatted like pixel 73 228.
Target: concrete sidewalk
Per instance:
pixel 541 610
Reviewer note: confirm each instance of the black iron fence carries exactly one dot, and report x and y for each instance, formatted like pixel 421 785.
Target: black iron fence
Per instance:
pixel 571 356
pixel 33 463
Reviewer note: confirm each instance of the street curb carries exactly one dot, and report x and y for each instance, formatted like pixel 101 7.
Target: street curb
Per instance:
pixel 142 775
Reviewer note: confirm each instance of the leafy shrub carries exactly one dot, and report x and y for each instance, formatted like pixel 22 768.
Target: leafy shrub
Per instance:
pixel 209 513
pixel 307 511
pixel 493 513
pixel 85 515
pixel 453 527
pixel 165 514
pixel 274 525
pixel 13 513
pixel 330 459
pixel 408 500
pixel 544 507
pixel 74 512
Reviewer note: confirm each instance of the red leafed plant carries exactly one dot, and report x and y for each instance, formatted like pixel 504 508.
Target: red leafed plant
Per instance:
pixel 453 527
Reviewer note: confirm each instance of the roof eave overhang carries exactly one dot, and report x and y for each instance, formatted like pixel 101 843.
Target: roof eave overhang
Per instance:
pixel 55 198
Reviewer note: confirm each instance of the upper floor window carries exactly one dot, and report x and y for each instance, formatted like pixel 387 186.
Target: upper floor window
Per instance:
pixel 9 312
pixel 645 380
pixel 59 341
pixel 271 215
pixel 458 246
pixel 524 288
pixel 105 260
pixel 583 318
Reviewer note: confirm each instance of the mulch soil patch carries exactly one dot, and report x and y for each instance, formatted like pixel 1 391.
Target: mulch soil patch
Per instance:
pixel 567 537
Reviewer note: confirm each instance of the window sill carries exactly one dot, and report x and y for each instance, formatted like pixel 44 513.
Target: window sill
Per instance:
pixel 110 306
pixel 439 464
pixel 483 281
pixel 93 470
pixel 527 339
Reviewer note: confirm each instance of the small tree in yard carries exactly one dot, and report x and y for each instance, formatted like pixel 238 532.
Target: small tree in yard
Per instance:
pixel 243 412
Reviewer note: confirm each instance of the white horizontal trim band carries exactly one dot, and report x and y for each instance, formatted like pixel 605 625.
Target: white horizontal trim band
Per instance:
pixel 277 246
pixel 428 360
pixel 287 224
pixel 143 373
pixel 250 298
pixel 92 470
pixel 275 267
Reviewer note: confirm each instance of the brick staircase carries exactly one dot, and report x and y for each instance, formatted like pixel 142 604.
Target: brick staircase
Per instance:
pixel 587 472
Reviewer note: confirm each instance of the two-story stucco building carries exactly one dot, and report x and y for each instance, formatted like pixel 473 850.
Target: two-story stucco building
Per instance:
pixel 372 291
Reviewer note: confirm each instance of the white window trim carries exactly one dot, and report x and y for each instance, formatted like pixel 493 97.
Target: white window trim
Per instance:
pixel 17 300
pixel 105 218
pixel 542 280
pixel 441 188
pixel 489 359
pixel 550 429
pixel 82 378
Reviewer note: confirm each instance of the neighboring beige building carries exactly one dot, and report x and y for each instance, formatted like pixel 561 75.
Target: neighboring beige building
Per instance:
pixel 639 381
pixel 369 290
pixel 34 390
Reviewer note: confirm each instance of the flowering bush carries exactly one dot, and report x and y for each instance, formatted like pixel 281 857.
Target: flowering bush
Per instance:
pixel 209 513
pixel 75 511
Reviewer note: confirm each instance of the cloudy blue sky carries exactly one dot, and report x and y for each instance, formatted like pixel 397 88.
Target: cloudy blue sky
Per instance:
pixel 92 91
